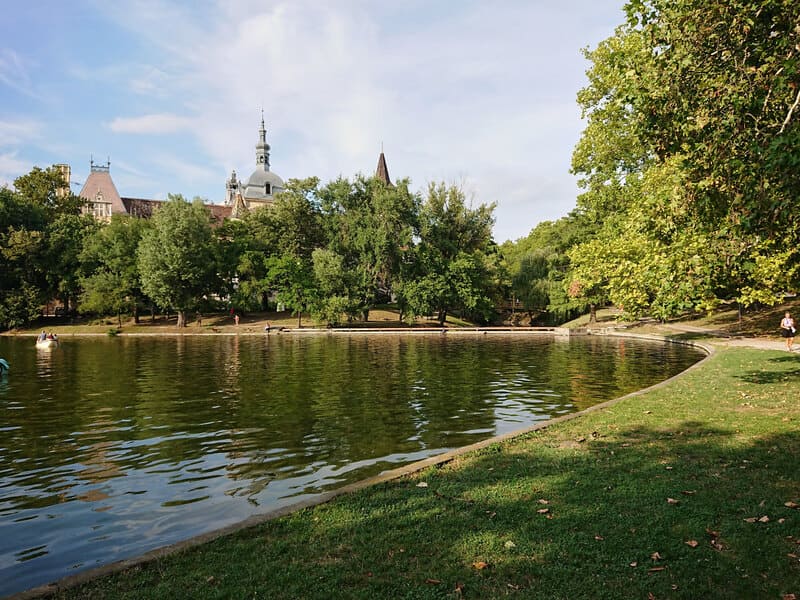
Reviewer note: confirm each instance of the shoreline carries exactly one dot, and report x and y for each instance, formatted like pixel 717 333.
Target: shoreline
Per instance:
pixel 71 581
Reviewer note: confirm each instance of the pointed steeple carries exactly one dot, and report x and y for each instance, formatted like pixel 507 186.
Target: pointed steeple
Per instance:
pixel 262 147
pixel 382 172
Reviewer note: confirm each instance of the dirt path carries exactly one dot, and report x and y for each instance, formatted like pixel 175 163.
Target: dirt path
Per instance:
pixel 723 338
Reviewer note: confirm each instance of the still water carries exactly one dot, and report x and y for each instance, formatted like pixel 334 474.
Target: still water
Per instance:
pixel 110 447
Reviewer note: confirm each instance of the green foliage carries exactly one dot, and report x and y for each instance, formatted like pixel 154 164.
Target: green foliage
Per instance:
pixel 176 256
pixel 689 157
pixel 112 282
pixel 453 266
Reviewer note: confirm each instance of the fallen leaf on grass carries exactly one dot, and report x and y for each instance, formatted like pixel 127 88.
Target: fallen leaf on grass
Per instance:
pixel 543 511
pixel 650 596
pixel 480 565
pixel 764 519
pixel 430 581
pixel 422 484
pixel 788 597
pixel 688 492
pixel 656 569
pixel 791 504
pixel 543 501
pixel 692 543
pixel 793 555
pixel 599 538
pixel 211 580
pixel 509 545
pixel 512 586
pixel 656 556
pixel 633 564
pixel 673 501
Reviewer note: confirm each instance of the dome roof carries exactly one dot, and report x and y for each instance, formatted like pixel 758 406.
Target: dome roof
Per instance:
pixel 256 186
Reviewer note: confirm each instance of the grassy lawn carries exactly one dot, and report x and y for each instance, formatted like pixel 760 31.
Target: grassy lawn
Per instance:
pixel 687 491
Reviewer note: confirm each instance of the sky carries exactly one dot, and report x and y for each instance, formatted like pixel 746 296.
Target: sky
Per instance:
pixel 473 93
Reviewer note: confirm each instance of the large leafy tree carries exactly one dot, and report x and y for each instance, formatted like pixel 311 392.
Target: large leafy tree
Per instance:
pixel 690 155
pixel 111 283
pixel 454 266
pixel 278 256
pixel 41 235
pixel 176 257
pixel 23 253
pixel 369 225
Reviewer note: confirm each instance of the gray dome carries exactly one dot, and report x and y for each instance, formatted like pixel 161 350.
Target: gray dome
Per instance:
pixel 263 184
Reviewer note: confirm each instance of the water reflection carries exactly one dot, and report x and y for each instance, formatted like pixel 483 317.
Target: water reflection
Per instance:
pixel 113 446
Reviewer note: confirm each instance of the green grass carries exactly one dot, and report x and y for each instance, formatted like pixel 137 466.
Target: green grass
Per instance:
pixel 625 489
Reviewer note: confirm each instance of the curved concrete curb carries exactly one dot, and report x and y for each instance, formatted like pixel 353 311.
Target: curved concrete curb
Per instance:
pixel 121 565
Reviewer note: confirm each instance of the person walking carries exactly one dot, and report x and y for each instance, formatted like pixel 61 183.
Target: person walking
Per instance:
pixel 788 330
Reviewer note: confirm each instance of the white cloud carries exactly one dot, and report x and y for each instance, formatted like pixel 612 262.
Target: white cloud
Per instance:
pixel 11 167
pixel 480 92
pixel 151 124
pixel 19 131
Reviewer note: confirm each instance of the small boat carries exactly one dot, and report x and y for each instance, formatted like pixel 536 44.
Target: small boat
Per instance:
pixel 47 343
pixel 3 367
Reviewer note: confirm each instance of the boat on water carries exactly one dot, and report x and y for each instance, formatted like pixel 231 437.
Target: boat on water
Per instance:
pixel 47 343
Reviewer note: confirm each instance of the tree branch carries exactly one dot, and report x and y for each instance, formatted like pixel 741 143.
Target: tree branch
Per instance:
pixel 789 114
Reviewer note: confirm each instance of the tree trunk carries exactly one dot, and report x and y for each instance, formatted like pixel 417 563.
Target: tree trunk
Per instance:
pixel 442 317
pixel 181 319
pixel 299 319
pixel 119 318
pixel 136 313
pixel 592 313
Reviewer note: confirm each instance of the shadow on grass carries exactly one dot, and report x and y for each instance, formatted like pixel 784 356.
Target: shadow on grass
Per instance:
pixel 625 513
pixel 775 376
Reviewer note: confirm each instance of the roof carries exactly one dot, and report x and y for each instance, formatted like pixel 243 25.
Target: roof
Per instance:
pixel 144 208
pixel 254 188
pixel 99 187
pixel 382 172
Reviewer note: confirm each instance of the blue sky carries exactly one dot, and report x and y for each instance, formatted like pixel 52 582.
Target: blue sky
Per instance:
pixel 480 94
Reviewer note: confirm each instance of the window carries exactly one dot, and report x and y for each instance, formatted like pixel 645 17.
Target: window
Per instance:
pixel 267 189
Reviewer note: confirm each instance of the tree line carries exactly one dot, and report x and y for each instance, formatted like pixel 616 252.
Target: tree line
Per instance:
pixel 333 251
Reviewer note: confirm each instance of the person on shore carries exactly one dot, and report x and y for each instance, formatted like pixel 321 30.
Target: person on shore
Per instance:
pixel 788 330
pixel 236 320
pixel 267 327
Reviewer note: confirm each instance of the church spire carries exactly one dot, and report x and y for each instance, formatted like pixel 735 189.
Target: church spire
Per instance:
pixel 382 172
pixel 262 147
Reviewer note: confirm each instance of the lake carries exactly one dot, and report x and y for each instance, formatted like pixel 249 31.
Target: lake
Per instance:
pixel 110 447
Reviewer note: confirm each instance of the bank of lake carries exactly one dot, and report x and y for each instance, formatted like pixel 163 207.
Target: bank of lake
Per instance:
pixel 689 490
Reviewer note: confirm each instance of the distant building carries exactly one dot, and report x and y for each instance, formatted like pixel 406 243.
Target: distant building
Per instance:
pixel 103 199
pixel 262 186
pixel 260 189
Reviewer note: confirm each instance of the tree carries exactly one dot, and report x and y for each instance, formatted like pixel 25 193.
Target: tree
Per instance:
pixel 689 158
pixel 66 234
pixel 112 282
pixel 176 256
pixel 370 225
pixel 23 258
pixel 452 264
